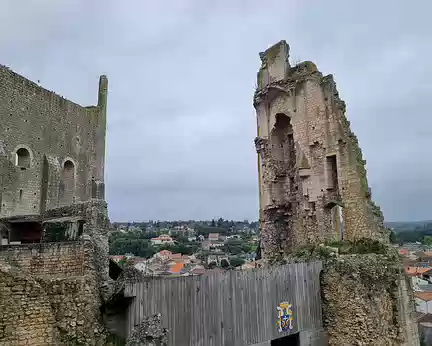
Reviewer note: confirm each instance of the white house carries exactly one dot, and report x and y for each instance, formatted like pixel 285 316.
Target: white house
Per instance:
pixel 213 237
pixel 416 282
pixel 423 302
pixel 162 240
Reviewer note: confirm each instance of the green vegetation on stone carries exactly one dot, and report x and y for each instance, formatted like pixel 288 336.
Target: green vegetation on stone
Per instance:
pixel 329 250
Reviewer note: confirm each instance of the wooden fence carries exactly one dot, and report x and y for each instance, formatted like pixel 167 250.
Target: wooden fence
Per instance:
pixel 232 309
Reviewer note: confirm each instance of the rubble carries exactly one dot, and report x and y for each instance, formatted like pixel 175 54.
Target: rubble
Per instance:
pixel 149 333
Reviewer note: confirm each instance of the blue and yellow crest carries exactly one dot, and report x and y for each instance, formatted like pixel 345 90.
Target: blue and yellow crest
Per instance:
pixel 285 317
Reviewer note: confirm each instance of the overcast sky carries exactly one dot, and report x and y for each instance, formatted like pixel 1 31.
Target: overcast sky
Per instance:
pixel 182 73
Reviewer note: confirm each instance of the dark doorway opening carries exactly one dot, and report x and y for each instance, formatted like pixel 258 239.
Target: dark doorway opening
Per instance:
pixel 289 340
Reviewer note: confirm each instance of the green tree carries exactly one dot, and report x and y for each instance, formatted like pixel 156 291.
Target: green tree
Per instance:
pixel 224 263
pixel 236 261
pixel 182 239
pixel 427 240
pixel 393 237
pixel 234 246
pixel 247 247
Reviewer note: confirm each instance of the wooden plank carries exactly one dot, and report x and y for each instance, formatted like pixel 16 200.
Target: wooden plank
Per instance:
pixel 236 308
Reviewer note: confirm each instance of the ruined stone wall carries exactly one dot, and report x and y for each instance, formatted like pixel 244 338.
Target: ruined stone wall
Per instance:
pixel 26 316
pixel 61 147
pixel 367 301
pixel 75 303
pixel 69 280
pixel 310 163
pixel 48 311
pixel 95 236
pixel 62 259
pixel 87 255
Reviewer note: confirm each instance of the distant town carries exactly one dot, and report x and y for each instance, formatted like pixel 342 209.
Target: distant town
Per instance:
pixel 182 248
pixel 414 243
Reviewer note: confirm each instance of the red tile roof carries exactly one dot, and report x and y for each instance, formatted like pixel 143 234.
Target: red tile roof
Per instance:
pixel 410 270
pixel 426 318
pixel 176 268
pixel 426 296
pixel 116 258
pixel 176 256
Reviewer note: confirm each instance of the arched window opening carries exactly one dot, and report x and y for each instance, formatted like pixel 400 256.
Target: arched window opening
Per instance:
pixel 68 183
pixel 282 149
pixel 69 167
pixel 282 142
pixel 22 158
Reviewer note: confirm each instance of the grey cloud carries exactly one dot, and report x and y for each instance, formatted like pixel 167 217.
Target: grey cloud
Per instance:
pixel 182 73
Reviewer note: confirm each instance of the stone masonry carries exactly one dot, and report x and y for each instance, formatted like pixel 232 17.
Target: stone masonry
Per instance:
pixel 310 165
pixel 65 283
pixel 25 312
pixel 47 259
pixel 310 169
pixel 53 216
pixel 368 300
pixel 51 150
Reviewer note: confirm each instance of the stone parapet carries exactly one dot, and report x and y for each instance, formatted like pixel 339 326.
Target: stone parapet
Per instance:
pixel 367 301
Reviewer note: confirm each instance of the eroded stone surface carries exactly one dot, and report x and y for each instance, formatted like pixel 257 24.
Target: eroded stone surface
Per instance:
pixel 26 315
pixel 52 201
pixel 52 150
pixel 310 163
pixel 367 300
pixel 314 191
pixel 149 333
pixel 70 279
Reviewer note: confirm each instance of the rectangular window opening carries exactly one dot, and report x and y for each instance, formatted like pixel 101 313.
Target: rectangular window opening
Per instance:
pixel 332 173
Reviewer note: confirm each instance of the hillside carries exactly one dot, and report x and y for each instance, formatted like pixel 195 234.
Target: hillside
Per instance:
pixel 410 225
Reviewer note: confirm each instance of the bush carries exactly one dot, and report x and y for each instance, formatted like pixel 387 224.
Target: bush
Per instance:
pixel 224 263
pixel 236 261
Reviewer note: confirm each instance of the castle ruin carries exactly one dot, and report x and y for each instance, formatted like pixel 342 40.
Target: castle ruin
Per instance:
pixel 313 191
pixel 53 216
pixel 312 176
pixel 52 150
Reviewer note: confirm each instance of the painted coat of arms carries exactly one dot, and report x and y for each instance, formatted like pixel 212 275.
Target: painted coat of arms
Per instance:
pixel 285 317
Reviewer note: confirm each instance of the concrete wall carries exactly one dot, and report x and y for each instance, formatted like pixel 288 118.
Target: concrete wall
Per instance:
pixel 65 143
pixel 233 309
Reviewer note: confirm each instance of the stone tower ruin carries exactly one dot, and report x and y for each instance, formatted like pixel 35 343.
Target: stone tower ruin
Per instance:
pixel 54 222
pixel 51 150
pixel 312 176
